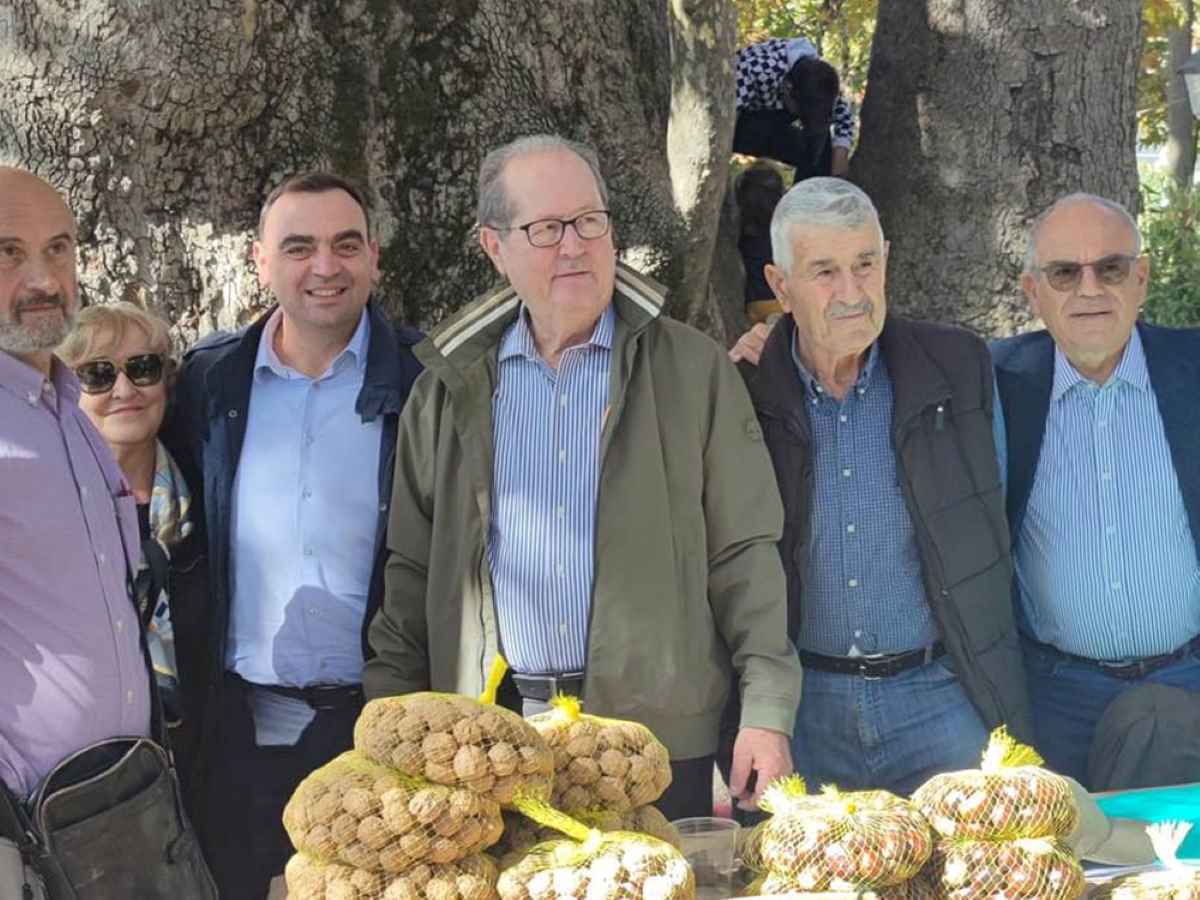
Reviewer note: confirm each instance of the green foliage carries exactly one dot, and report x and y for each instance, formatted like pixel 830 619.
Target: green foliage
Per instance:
pixel 1170 225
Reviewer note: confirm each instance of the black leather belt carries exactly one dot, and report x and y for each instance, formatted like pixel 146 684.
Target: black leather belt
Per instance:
pixel 1126 669
pixel 545 687
pixel 318 696
pixel 873 666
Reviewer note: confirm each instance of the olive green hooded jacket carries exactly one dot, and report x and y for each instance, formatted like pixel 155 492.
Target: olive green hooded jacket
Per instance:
pixel 688 586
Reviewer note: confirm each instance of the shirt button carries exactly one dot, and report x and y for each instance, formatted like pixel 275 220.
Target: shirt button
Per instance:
pixel 858 634
pixel 103 559
pixel 129 697
pixel 561 569
pixel 562 401
pixel 306 493
pixel 1116 585
pixel 843 418
pixel 1110 529
pixel 1102 423
pixel 308 551
pixel 1106 475
pixel 846 473
pixel 814 401
pixel 851 528
pixel 32 398
pixel 233 413
pixel 562 455
pixel 853 582
pixel 83 491
pixel 120 625
pixel 861 391
pixel 560 511
pixel 562 627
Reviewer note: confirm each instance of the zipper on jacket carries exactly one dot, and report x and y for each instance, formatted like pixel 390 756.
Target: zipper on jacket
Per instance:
pixel 939 577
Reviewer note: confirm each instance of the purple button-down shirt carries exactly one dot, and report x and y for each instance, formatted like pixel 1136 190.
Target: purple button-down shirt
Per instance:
pixel 71 666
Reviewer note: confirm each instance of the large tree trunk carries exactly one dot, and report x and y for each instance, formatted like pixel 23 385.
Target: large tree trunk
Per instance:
pixel 166 121
pixel 1181 124
pixel 978 114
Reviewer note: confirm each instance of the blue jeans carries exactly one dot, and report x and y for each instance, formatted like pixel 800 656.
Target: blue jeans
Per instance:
pixel 891 733
pixel 1069 697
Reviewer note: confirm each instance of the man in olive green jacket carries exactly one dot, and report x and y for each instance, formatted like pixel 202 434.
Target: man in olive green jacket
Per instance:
pixel 670 580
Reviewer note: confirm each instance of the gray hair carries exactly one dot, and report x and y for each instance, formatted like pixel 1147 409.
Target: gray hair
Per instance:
pixel 1079 197
pixel 825 203
pixel 495 206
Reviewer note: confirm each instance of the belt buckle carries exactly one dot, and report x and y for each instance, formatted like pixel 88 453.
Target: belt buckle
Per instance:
pixel 314 696
pixel 865 670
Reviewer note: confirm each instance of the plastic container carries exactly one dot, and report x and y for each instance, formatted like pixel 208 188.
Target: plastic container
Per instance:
pixel 709 845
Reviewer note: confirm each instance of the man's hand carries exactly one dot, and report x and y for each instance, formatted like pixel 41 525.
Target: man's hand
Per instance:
pixel 767 754
pixel 750 345
pixel 840 164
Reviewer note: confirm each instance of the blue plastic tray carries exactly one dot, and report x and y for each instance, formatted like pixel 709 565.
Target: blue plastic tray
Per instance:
pixel 1181 803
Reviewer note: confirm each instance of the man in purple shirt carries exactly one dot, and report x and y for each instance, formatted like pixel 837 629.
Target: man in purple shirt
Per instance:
pixel 71 664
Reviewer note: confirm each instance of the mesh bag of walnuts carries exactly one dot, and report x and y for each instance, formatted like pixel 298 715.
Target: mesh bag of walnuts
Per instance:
pixel 1026 867
pixel 615 865
pixel 520 833
pixel 841 841
pixel 458 742
pixel 589 864
pixel 354 811
pixel 1009 796
pixel 1177 881
pixel 472 878
pixel 601 763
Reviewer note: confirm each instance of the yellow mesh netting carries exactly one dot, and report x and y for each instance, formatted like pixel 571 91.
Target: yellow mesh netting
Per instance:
pixel 613 866
pixel 839 841
pixel 1009 796
pixel 520 833
pixel 1026 867
pixel 1178 881
pixel 473 878
pixel 598 762
pixel 456 741
pixel 354 811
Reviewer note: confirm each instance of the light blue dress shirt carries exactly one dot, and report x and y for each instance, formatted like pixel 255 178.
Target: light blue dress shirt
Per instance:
pixel 1105 561
pixel 305 508
pixel 864 593
pixel 541 544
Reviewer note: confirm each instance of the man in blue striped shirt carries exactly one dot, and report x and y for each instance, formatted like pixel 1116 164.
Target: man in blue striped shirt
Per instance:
pixel 895 546
pixel 1100 436
pixel 581 484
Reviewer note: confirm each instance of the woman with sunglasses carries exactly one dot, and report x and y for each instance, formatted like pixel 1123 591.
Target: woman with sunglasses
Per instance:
pixel 121 354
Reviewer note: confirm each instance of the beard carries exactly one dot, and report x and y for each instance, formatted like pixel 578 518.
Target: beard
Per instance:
pixel 42 333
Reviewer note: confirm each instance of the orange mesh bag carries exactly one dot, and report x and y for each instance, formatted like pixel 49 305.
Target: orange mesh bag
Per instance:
pixel 457 741
pixel 520 833
pixel 1025 867
pixel 601 763
pixel 354 811
pixel 473 878
pixel 1177 881
pixel 841 841
pixel 1009 796
pixel 592 865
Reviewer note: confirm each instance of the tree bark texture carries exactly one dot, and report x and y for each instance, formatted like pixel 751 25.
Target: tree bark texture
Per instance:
pixel 978 115
pixel 1181 123
pixel 167 121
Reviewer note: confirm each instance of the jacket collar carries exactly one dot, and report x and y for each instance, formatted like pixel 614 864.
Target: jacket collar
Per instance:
pixel 475 331
pixel 229 379
pixel 917 380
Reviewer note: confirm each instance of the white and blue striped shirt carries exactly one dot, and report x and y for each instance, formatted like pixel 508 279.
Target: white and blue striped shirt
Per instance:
pixel 541 544
pixel 1105 560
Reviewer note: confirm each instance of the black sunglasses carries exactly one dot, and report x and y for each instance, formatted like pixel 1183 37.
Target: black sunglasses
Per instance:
pixel 1111 270
pixel 99 375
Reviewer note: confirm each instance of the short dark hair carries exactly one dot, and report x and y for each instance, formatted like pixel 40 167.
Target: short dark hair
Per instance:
pixel 758 190
pixel 315 182
pixel 813 86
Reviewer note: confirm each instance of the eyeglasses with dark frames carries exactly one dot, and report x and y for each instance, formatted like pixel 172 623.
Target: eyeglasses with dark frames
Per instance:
pixel 97 376
pixel 1110 270
pixel 549 232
